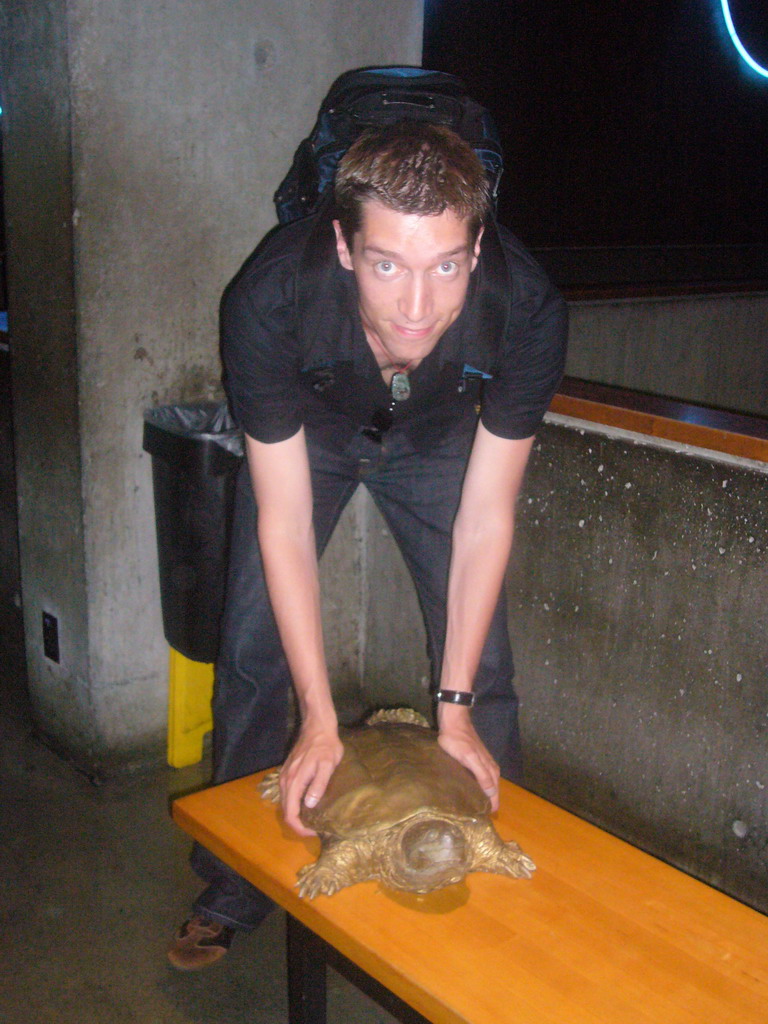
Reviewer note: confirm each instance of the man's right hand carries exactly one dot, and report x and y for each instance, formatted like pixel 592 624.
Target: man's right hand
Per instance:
pixel 309 766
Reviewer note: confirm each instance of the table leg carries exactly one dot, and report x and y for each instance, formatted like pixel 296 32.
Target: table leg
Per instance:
pixel 306 974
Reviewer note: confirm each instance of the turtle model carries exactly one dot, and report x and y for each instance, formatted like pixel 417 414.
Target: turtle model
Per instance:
pixel 401 810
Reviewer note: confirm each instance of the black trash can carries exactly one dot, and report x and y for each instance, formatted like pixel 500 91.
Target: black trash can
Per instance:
pixel 196 453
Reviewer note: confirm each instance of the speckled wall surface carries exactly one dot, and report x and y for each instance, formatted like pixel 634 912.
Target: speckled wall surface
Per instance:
pixel 638 591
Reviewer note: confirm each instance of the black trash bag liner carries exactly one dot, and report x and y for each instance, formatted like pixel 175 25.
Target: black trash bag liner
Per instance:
pixel 205 422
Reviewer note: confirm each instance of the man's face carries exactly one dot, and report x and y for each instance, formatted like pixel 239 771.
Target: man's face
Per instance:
pixel 412 275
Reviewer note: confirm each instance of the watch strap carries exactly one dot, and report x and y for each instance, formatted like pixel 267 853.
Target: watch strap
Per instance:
pixel 464 697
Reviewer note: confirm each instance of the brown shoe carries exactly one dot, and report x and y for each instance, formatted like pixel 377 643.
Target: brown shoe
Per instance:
pixel 200 943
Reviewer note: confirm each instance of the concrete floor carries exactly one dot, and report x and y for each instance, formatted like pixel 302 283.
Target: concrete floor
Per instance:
pixel 93 882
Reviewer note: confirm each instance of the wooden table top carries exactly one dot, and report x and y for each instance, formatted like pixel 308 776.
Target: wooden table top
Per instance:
pixel 602 934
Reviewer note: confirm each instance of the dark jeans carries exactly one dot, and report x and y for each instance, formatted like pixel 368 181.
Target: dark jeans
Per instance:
pixel 418 494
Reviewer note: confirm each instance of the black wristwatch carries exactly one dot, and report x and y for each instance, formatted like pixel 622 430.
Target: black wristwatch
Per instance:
pixel 456 697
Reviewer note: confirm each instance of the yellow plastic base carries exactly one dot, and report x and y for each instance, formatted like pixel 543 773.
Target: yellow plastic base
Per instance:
pixel 190 688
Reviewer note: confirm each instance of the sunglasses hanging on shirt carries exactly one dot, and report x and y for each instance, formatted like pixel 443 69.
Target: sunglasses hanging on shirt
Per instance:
pixel 382 419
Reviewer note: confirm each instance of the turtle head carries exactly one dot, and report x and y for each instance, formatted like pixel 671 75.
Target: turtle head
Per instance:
pixel 430 852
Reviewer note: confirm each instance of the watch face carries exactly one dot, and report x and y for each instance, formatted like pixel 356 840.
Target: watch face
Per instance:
pixel 400 388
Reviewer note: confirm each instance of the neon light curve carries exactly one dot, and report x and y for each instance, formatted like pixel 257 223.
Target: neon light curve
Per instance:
pixel 738 43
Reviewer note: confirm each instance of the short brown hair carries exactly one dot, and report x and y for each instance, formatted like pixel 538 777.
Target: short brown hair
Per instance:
pixel 412 167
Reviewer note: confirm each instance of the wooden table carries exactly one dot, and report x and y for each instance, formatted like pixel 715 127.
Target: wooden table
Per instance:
pixel 602 934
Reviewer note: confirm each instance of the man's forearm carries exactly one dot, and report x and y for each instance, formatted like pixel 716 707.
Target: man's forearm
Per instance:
pixel 478 565
pixel 281 483
pixel 290 566
pixel 482 541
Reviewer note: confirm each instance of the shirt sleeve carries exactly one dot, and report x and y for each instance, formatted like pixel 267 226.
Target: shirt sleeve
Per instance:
pixel 533 353
pixel 259 349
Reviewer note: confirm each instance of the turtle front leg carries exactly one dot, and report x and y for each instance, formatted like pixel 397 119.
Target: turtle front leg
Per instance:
pixel 491 853
pixel 341 863
pixel 512 861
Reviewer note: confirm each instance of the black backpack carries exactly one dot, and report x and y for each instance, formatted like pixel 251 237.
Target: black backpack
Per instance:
pixel 372 97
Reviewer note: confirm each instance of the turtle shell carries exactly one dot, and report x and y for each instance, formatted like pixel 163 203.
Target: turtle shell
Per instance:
pixel 389 773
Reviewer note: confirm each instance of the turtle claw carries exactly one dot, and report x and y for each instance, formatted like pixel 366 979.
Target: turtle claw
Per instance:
pixel 512 861
pixel 317 879
pixel 528 865
pixel 523 867
pixel 269 787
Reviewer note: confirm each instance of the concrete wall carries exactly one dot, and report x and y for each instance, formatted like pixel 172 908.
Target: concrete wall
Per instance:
pixel 637 593
pixel 709 349
pixel 143 143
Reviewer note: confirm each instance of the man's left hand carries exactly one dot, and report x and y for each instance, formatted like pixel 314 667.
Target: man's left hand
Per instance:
pixel 458 738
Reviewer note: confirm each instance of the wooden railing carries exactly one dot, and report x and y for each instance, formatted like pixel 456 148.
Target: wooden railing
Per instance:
pixel 704 427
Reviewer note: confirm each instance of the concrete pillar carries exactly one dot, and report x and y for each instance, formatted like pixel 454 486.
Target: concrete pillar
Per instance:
pixel 142 146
